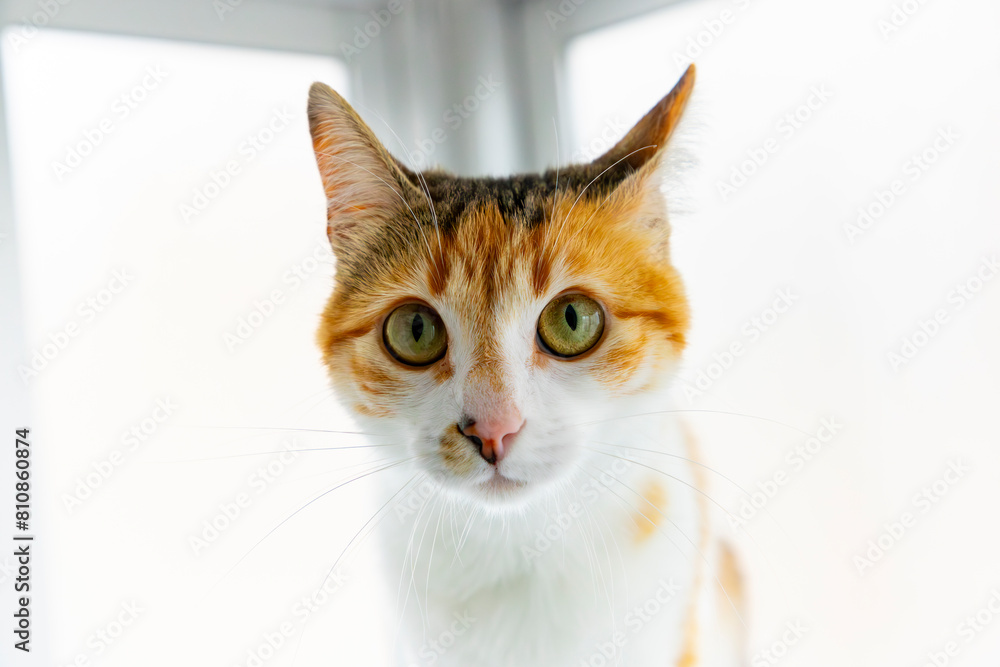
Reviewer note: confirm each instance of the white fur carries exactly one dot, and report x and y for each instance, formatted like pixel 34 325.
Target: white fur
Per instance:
pixel 467 554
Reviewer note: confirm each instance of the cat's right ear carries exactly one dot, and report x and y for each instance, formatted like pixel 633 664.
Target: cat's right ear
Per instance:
pixel 364 186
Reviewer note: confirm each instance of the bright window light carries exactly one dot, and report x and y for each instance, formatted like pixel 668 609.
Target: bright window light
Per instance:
pixel 171 235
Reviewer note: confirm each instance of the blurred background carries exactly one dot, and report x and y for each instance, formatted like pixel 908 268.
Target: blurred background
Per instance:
pixel 163 262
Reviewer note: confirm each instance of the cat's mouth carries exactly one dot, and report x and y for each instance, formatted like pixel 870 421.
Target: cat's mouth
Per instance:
pixel 498 482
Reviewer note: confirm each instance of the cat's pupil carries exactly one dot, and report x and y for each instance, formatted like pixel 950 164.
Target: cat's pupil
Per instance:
pixel 571 316
pixel 417 328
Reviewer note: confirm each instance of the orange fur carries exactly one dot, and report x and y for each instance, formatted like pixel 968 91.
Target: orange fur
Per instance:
pixel 652 511
pixel 485 263
pixel 730 577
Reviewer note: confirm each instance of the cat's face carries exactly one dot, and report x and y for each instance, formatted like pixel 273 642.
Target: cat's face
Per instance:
pixel 493 332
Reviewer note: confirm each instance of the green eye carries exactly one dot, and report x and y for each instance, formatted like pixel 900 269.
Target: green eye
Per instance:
pixel 570 325
pixel 415 335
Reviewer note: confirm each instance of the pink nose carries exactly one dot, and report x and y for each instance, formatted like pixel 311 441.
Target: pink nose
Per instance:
pixel 494 435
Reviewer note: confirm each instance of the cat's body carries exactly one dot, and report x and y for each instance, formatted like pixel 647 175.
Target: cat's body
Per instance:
pixel 513 339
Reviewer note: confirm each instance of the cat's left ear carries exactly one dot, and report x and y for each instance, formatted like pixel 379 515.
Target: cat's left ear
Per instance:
pixel 646 141
pixel 642 152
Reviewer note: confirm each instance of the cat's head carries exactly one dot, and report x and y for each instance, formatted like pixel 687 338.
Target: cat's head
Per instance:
pixel 495 325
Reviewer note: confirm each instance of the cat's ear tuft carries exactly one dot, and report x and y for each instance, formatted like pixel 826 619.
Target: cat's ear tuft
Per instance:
pixel 363 184
pixel 650 135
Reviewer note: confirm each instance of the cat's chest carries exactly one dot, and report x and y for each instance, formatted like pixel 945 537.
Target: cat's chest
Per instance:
pixel 611 560
pixel 570 587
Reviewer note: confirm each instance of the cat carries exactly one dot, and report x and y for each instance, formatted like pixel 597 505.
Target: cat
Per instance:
pixel 516 337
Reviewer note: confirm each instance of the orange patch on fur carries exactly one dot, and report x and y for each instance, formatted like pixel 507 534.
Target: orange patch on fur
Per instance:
pixel 689 656
pixel 371 378
pixel 327 339
pixel 370 411
pixel 439 270
pixel 731 598
pixel 621 360
pixel 542 273
pixel 456 453
pixel 731 578
pixel 651 511
pixel 658 318
pixel 442 371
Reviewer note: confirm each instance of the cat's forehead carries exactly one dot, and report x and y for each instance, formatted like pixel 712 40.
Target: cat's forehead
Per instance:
pixel 480 234
pixel 521 200
pixel 491 256
pixel 495 243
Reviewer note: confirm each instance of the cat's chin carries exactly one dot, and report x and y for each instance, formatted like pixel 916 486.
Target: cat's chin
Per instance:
pixel 496 489
pixel 498 483
pixel 502 492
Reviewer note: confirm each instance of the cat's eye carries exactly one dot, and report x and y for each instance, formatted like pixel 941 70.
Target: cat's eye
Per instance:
pixel 570 325
pixel 415 334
